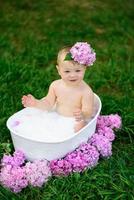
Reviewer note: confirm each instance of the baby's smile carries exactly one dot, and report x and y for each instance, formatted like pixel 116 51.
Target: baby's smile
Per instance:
pixel 72 80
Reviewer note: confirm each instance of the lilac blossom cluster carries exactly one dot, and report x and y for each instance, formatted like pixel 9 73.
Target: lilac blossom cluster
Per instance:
pixel 103 145
pixel 82 53
pixel 88 154
pixel 17 174
pixel 37 173
pixel 112 121
pixel 83 157
pixel 12 174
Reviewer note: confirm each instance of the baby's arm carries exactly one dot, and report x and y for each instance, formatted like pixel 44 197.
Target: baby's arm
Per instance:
pixel 87 104
pixel 45 103
pixel 83 114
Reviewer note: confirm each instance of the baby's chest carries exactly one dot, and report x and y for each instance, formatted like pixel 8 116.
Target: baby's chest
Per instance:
pixel 69 98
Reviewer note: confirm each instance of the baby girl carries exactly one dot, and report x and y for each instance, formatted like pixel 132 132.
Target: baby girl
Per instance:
pixel 70 95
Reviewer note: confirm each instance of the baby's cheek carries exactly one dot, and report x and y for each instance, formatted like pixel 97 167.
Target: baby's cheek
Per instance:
pixel 81 75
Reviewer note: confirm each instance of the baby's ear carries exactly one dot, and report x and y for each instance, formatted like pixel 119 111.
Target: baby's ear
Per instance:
pixel 57 67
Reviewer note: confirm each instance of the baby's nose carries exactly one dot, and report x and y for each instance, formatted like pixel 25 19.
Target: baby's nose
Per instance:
pixel 72 74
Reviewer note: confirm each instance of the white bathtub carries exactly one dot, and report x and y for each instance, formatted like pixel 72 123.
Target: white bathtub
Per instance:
pixel 52 150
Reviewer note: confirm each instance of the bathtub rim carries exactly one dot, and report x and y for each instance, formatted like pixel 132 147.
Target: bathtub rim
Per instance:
pixel 57 142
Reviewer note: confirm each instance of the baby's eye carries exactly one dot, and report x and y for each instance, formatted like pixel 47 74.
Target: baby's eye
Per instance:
pixel 78 70
pixel 66 71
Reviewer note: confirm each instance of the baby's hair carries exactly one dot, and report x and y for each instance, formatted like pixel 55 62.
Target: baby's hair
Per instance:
pixel 62 54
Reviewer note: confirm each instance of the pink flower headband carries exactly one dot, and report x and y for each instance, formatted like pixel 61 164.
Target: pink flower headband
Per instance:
pixel 82 53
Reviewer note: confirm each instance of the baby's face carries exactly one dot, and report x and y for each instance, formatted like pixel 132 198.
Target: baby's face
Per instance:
pixel 71 74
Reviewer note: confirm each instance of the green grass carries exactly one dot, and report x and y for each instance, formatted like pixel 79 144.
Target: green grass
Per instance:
pixel 31 33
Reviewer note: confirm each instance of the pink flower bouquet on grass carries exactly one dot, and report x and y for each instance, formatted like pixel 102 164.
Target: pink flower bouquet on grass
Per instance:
pixel 87 155
pixel 16 173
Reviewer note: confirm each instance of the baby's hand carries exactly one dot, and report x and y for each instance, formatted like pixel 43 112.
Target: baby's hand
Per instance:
pixel 79 118
pixel 29 101
pixel 78 115
pixel 79 125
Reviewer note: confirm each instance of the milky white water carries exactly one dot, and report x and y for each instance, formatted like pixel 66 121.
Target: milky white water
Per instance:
pixel 42 126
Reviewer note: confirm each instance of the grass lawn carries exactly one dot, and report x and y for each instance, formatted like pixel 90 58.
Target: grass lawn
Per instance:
pixel 31 33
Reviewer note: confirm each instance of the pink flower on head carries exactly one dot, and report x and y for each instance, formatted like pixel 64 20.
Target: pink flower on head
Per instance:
pixel 82 53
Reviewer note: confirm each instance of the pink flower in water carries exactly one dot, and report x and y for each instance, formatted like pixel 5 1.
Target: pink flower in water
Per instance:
pixel 15 123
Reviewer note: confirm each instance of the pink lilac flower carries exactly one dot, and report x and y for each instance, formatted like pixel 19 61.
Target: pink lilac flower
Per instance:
pixel 107 132
pixel 7 160
pixel 76 161
pixel 112 121
pixel 13 177
pixel 85 156
pixel 103 145
pixel 12 173
pixel 60 167
pixel 82 53
pixel 37 173
pixel 17 159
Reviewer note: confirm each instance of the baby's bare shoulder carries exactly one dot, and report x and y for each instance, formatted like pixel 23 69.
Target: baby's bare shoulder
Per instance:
pixel 55 83
pixel 87 89
pixel 87 96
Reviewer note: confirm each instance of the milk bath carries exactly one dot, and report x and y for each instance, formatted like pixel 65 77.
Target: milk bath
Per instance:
pixel 48 135
pixel 44 126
